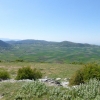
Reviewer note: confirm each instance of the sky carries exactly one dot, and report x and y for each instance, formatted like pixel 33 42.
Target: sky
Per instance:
pixel 51 20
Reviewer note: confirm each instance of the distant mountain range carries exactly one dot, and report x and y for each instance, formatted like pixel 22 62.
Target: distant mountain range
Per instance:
pixel 46 51
pixel 45 43
pixel 8 44
pixel 32 41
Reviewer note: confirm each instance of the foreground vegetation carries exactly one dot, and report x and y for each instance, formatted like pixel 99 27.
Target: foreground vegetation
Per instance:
pixel 89 71
pixel 39 91
pixel 28 73
pixel 4 75
pixel 86 81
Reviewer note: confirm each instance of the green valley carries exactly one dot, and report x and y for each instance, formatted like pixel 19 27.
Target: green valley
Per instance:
pixel 52 52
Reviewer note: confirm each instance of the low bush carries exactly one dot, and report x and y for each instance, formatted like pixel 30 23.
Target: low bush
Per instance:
pixel 36 91
pixel 30 90
pixel 28 73
pixel 4 74
pixel 86 73
pixel 19 60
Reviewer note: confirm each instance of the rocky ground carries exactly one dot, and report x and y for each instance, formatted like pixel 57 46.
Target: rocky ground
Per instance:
pixel 47 81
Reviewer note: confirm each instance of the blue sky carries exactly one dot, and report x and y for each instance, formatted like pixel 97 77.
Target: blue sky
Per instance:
pixel 51 20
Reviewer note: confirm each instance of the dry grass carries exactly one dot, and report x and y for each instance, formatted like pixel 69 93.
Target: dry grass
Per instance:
pixel 54 70
pixel 48 69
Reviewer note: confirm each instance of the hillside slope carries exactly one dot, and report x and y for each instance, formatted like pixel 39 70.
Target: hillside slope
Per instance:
pixel 4 44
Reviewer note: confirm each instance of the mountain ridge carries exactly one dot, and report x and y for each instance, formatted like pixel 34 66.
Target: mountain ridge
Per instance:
pixel 43 42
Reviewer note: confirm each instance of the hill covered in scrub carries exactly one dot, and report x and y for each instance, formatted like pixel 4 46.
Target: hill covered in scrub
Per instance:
pixel 48 51
pixel 50 43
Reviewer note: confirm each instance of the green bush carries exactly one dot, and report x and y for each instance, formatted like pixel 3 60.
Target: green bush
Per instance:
pixel 28 73
pixel 4 74
pixel 88 91
pixel 30 90
pixel 19 60
pixel 86 73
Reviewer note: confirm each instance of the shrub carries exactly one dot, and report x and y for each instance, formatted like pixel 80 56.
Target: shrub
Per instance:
pixel 4 74
pixel 30 90
pixel 88 91
pixel 86 73
pixel 28 73
pixel 19 60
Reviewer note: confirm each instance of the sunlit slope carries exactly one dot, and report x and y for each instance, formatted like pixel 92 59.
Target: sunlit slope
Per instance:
pixel 44 51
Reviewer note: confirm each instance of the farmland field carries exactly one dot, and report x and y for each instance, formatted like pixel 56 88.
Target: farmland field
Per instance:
pixel 51 54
